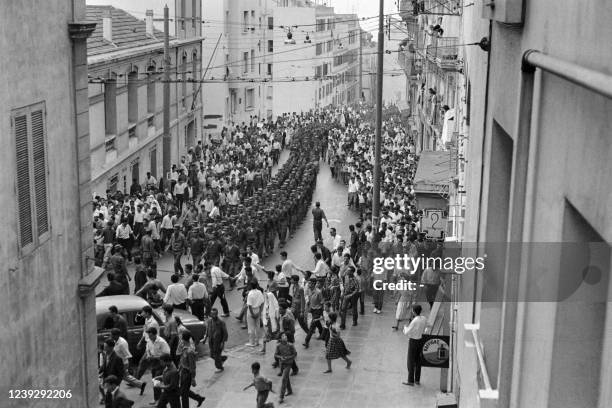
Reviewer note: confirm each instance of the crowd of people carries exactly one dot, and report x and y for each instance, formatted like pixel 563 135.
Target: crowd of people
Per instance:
pixel 228 215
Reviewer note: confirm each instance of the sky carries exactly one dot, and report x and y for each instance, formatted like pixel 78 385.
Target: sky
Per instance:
pixel 363 8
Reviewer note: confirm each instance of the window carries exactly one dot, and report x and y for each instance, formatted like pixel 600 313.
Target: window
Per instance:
pixel 270 92
pixel 184 80
pixel 245 61
pixel 250 99
pixel 245 21
pixel 318 71
pixel 194 12
pixel 132 138
pixel 269 69
pixel 183 14
pixel 270 45
pixel 324 69
pixel 153 161
pixel 270 23
pixel 195 72
pixel 330 46
pixel 252 60
pixel 112 184
pixel 151 89
pixel 133 97
pixel 319 49
pixel 110 106
pixel 31 169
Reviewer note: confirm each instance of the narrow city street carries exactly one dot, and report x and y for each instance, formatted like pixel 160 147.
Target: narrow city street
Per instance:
pixel 378 352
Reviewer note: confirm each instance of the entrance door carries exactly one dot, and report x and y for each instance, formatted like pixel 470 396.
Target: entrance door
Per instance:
pixel 153 160
pixel 190 135
pixel 136 172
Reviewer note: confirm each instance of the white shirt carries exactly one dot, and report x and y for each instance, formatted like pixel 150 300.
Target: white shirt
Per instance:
pixel 123 350
pixel 289 269
pixel 157 348
pixel 217 275
pixel 123 232
pixel 416 328
pixel 321 268
pixel 197 291
pixel 255 299
pixel 175 294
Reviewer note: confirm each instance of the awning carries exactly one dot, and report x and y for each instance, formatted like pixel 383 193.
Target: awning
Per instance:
pixel 434 172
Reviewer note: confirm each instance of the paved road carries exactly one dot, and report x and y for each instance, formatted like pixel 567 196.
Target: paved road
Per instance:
pixel 378 353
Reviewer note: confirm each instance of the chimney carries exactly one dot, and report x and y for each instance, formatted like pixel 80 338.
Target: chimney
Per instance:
pixel 107 25
pixel 149 23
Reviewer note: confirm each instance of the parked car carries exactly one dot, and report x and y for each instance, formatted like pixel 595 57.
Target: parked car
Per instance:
pixel 130 307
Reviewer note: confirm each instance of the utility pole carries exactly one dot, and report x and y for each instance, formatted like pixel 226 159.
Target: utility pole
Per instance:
pixel 167 139
pixel 379 99
pixel 360 63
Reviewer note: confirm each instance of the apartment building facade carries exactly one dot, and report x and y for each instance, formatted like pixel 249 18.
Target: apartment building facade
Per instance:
pixel 48 340
pixel 534 328
pixel 126 68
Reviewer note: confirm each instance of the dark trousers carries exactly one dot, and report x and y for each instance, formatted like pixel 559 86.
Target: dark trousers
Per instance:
pixel 156 370
pixel 219 292
pixel 361 296
pixel 215 354
pixel 178 268
pixel 127 246
pixel 169 398
pixel 185 388
pixel 286 382
pixel 348 303
pixel 314 325
pixel 301 321
pixel 262 397
pixel 414 361
pixel 317 231
pixel 197 308
pixel 378 299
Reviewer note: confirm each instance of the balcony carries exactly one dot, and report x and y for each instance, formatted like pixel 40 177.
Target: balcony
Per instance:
pixel 443 51
pixel 436 7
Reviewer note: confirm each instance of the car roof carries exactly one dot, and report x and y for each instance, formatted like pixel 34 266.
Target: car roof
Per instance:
pixel 123 303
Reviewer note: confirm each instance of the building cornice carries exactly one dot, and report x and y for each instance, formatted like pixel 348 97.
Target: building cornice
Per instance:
pixel 121 55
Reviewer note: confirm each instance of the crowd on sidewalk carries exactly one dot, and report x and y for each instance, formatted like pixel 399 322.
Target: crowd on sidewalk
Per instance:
pixel 225 239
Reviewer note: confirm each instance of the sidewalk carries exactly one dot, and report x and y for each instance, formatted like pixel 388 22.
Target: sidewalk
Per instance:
pixel 374 380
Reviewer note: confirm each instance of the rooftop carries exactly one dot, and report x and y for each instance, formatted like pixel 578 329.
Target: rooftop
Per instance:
pixel 128 31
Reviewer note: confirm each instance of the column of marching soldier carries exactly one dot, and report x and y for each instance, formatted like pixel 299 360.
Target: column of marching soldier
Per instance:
pixel 227 238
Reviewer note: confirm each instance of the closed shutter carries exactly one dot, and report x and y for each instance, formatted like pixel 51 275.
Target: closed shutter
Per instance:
pixel 40 171
pixel 23 180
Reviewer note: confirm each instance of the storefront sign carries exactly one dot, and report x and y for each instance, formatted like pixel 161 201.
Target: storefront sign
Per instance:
pixel 435 351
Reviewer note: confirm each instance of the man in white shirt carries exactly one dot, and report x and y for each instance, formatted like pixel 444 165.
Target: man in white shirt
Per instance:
pixel 197 295
pixel 255 301
pixel 123 352
pixel 414 331
pixel 334 240
pixel 176 294
pixel 321 267
pixel 218 289
pixel 156 347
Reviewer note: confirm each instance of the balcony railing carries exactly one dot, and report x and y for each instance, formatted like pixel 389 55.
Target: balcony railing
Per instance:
pixel 437 7
pixel 443 51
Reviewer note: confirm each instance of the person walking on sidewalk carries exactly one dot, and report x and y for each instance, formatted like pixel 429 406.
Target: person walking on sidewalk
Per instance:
pixel 262 385
pixel 218 289
pixel 168 384
pixel 255 302
pixel 178 244
pixel 414 331
pixel 217 336
pixel 318 215
pixel 335 346
pixel 187 372
pixel 286 354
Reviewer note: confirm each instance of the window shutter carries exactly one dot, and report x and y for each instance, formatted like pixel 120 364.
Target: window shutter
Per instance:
pixel 40 171
pixel 23 180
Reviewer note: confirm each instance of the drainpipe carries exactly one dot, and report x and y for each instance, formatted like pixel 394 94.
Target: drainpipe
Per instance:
pixel 482 167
